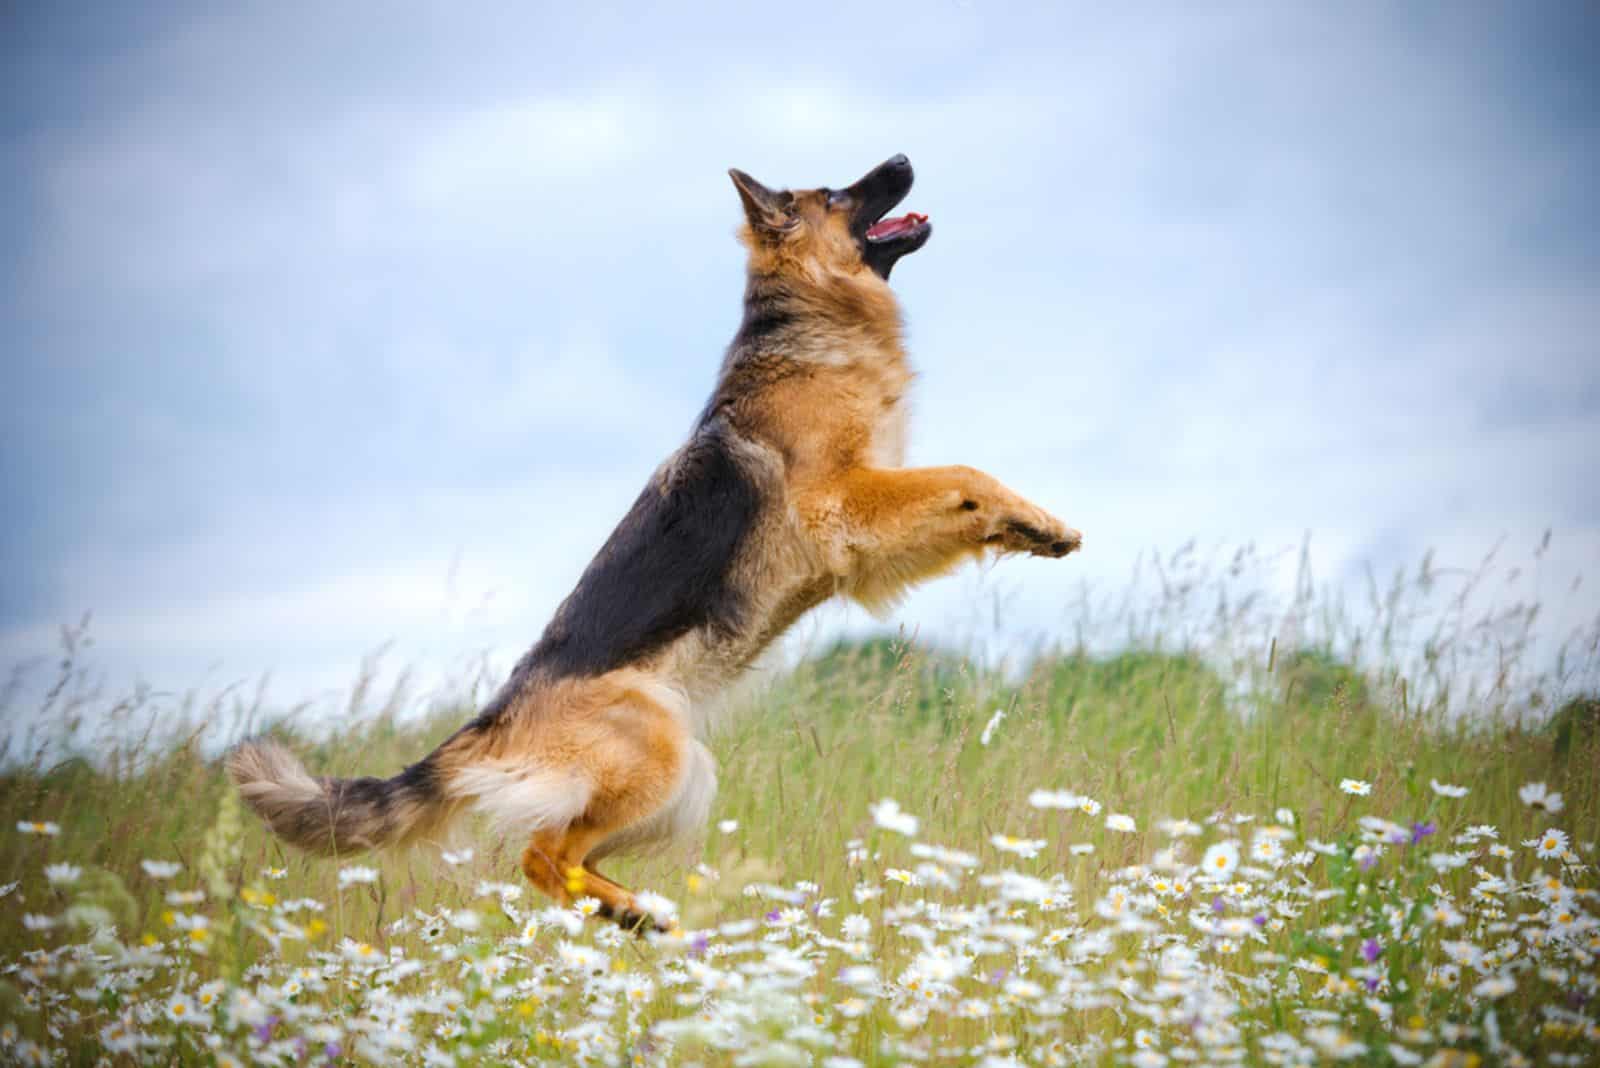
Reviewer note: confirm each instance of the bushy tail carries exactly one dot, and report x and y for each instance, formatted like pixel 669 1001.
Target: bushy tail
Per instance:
pixel 325 815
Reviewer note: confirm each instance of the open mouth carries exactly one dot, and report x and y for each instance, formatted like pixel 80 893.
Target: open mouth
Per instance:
pixel 884 239
pixel 897 227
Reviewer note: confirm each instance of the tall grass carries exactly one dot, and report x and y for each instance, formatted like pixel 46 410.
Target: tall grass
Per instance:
pixel 1209 701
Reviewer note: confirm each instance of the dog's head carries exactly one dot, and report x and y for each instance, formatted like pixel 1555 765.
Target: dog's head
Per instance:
pixel 834 231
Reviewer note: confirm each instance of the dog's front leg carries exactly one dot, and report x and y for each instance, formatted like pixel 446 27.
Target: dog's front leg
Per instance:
pixel 884 529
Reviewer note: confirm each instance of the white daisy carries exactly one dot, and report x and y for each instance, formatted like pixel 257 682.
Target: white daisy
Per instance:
pixel 1496 986
pixel 1356 787
pixel 1053 799
pixel 950 858
pixel 1266 848
pixel 180 1009
pixel 1538 795
pixel 1444 789
pixel 357 873
pixel 658 908
pixel 1445 914
pixel 580 958
pixel 1220 859
pixel 62 874
pixel 888 815
pixel 1022 847
pixel 1551 843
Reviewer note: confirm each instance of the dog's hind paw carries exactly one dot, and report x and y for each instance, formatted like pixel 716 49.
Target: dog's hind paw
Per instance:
pixel 634 920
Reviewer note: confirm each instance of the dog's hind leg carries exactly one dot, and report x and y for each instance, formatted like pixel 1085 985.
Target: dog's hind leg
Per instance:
pixel 555 862
pixel 636 748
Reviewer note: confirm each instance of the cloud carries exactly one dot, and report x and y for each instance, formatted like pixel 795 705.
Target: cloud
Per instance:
pixel 316 310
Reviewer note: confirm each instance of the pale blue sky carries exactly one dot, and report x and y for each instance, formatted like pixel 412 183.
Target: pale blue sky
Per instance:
pixel 326 325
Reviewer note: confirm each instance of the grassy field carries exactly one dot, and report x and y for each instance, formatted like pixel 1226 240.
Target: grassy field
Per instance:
pixel 1213 850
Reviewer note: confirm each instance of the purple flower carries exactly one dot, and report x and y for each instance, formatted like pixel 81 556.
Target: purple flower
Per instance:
pixel 700 944
pixel 332 1051
pixel 1367 861
pixel 1259 919
pixel 772 917
pixel 1419 831
pixel 1371 984
pixel 1371 950
pixel 264 1031
pixel 1218 905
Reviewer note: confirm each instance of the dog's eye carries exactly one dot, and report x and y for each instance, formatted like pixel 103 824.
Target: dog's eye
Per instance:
pixel 835 198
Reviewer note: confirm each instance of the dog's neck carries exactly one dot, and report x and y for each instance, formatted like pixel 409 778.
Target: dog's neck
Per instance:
pixel 831 320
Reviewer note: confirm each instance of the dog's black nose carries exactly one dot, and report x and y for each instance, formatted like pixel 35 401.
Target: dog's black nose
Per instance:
pixel 897 160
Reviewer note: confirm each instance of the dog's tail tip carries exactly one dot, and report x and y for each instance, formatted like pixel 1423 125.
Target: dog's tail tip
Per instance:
pixel 260 765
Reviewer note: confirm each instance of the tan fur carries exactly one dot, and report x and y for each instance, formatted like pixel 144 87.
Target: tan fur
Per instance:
pixel 591 766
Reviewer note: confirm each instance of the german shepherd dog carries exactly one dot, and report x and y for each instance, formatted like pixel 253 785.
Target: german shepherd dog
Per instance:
pixel 789 491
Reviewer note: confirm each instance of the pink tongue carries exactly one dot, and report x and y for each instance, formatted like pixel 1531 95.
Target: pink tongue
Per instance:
pixel 895 227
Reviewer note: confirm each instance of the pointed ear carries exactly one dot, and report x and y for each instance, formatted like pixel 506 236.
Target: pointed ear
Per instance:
pixel 762 207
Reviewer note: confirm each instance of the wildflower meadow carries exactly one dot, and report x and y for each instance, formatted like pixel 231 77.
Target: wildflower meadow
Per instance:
pixel 1201 843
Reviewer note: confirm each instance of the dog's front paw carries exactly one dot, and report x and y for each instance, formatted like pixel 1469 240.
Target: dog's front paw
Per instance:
pixel 1038 533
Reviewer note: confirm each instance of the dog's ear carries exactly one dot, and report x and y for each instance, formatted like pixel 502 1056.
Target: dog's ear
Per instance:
pixel 766 210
